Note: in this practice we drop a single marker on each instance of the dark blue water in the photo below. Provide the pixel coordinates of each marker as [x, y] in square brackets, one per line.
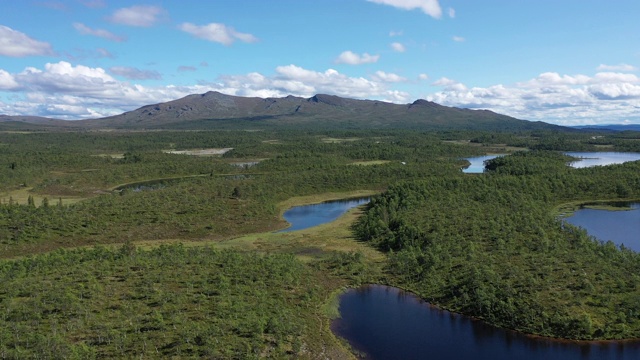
[621, 227]
[477, 164]
[388, 323]
[590, 159]
[306, 216]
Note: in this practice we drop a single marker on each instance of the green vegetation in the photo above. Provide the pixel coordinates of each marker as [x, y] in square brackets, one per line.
[156, 254]
[491, 246]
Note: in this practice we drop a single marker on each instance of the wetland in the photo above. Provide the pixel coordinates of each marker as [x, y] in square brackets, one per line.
[196, 267]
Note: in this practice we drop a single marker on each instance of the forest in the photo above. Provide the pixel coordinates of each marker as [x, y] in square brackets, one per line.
[126, 244]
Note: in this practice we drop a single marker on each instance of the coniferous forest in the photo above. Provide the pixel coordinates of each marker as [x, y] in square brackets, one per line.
[135, 244]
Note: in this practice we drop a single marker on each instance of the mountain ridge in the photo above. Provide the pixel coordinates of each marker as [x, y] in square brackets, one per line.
[214, 110]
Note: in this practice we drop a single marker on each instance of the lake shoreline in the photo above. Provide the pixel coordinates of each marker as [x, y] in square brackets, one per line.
[358, 349]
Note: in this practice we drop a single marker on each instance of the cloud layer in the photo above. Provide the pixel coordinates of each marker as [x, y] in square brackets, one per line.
[68, 91]
[605, 97]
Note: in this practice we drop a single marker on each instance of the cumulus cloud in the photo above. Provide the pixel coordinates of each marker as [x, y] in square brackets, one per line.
[16, 44]
[351, 58]
[7, 81]
[219, 33]
[71, 91]
[85, 30]
[67, 91]
[429, 7]
[619, 67]
[295, 80]
[387, 77]
[563, 99]
[398, 47]
[139, 15]
[66, 78]
[133, 73]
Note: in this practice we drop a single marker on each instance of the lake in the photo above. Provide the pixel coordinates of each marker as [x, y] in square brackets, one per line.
[306, 216]
[590, 159]
[621, 227]
[388, 323]
[477, 163]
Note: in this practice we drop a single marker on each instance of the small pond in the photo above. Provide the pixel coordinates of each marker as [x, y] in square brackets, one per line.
[619, 226]
[388, 323]
[589, 159]
[477, 163]
[306, 216]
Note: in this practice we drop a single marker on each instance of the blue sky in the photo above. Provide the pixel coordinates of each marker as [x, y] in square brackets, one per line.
[567, 62]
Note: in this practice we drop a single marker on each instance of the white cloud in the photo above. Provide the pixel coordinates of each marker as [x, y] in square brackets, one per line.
[387, 77]
[458, 38]
[395, 33]
[16, 44]
[85, 30]
[609, 77]
[139, 15]
[67, 91]
[351, 58]
[563, 99]
[452, 13]
[619, 67]
[66, 78]
[219, 33]
[429, 7]
[398, 47]
[133, 73]
[7, 81]
[449, 84]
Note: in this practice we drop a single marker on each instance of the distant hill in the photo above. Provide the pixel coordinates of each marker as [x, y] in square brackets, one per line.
[30, 123]
[214, 110]
[611, 127]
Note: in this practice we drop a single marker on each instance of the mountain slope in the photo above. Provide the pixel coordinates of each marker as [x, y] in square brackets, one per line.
[214, 110]
[29, 123]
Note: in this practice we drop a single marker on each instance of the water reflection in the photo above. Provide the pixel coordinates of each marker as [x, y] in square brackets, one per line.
[477, 163]
[387, 323]
[306, 216]
[621, 227]
[589, 159]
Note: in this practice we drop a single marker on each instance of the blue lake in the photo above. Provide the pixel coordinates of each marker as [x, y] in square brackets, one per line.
[306, 216]
[621, 227]
[590, 159]
[388, 323]
[477, 163]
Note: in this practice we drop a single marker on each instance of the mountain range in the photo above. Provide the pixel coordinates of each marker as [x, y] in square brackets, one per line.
[214, 110]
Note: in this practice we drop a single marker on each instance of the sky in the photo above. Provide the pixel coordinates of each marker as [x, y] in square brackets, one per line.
[566, 62]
